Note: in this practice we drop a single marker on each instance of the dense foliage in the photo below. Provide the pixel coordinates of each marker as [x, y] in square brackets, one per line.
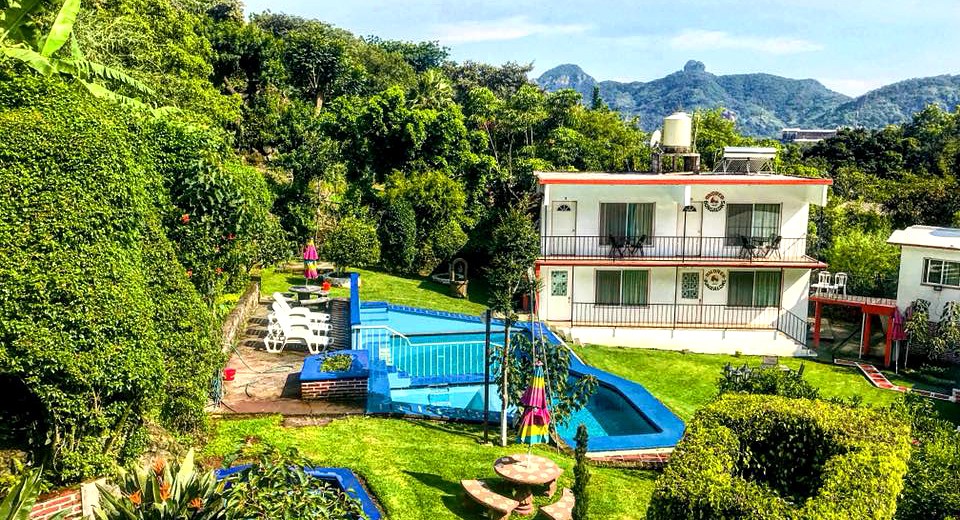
[121, 229]
[768, 381]
[758, 456]
[929, 488]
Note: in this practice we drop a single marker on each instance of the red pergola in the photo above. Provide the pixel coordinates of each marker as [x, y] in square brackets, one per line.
[868, 305]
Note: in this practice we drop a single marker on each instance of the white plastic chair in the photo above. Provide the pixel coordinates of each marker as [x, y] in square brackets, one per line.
[282, 303]
[317, 326]
[823, 282]
[839, 282]
[281, 332]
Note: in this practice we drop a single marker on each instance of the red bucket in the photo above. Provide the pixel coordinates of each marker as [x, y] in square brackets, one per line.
[229, 373]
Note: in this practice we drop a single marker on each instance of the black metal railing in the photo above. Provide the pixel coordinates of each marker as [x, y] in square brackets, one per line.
[644, 247]
[794, 327]
[691, 316]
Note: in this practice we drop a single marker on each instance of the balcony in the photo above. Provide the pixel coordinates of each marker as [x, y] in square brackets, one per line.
[687, 316]
[641, 249]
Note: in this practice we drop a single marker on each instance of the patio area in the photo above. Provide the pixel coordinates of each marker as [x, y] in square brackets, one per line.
[268, 383]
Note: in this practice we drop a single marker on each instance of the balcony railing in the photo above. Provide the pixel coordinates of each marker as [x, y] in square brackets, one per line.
[690, 316]
[673, 247]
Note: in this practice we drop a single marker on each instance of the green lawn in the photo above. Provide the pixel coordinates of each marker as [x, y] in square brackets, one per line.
[380, 286]
[414, 467]
[685, 382]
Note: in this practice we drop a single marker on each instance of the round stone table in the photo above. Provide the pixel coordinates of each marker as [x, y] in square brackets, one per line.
[525, 471]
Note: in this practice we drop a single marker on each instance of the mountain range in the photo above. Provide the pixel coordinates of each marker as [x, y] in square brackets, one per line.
[762, 104]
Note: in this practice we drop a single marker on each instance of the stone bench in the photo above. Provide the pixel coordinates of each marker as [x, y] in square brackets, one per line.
[561, 509]
[499, 506]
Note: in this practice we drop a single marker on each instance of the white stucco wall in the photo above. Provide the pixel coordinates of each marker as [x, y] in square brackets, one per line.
[911, 286]
[663, 284]
[794, 201]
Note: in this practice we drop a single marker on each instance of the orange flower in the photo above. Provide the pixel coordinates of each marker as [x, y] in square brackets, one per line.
[158, 465]
[196, 503]
[185, 218]
[135, 498]
[164, 490]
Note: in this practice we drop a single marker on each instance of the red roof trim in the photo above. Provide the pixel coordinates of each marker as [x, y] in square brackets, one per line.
[702, 180]
[811, 264]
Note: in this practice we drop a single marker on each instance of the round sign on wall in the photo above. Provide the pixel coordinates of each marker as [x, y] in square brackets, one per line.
[714, 201]
[715, 279]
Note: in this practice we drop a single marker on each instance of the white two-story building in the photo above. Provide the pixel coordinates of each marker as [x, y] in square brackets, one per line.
[711, 262]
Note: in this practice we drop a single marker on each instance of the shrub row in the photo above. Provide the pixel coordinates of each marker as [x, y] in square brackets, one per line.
[761, 456]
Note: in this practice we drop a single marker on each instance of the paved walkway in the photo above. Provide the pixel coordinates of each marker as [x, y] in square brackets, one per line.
[880, 381]
[269, 383]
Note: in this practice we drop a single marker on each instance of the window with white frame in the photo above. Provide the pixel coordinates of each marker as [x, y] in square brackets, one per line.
[941, 272]
[626, 221]
[622, 287]
[754, 289]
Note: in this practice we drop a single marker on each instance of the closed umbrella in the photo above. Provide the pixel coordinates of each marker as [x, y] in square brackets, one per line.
[536, 417]
[898, 333]
[310, 261]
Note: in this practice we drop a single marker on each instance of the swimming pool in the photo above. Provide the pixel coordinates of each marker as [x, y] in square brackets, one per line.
[431, 363]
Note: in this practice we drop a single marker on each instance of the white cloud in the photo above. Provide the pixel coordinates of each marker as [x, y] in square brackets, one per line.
[700, 40]
[854, 87]
[512, 28]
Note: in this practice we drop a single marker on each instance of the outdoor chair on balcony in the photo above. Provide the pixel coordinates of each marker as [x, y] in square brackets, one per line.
[773, 247]
[747, 248]
[636, 246]
[617, 247]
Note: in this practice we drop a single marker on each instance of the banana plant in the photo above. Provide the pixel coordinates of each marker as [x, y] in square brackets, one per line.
[161, 491]
[19, 42]
[19, 502]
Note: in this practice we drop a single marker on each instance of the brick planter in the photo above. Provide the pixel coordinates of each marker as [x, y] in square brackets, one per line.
[343, 385]
[355, 388]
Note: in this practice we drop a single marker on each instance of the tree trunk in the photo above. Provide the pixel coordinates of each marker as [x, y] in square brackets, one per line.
[319, 103]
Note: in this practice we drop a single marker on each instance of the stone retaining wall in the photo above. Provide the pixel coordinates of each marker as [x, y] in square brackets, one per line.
[352, 388]
[236, 322]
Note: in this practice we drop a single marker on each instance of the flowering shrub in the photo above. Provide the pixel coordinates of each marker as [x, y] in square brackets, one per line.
[161, 491]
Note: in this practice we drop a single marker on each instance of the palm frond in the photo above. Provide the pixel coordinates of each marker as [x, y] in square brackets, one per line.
[102, 92]
[88, 70]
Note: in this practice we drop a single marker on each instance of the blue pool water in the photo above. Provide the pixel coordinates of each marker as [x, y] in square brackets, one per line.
[437, 370]
[412, 323]
[607, 413]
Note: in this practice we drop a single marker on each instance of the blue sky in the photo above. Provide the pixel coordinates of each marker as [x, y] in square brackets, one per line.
[849, 45]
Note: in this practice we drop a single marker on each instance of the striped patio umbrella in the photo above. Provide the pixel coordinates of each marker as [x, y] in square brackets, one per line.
[310, 261]
[536, 417]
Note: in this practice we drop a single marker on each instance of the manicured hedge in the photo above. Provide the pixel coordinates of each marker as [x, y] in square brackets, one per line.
[102, 326]
[763, 457]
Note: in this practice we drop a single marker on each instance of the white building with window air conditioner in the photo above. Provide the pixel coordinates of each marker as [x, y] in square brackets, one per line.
[929, 266]
[709, 262]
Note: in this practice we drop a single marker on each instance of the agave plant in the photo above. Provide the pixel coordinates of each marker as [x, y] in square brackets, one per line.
[161, 491]
[22, 497]
[18, 40]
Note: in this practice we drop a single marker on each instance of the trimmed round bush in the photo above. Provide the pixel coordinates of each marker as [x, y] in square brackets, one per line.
[760, 456]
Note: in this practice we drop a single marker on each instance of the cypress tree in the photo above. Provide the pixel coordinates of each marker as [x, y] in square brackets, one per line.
[581, 475]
